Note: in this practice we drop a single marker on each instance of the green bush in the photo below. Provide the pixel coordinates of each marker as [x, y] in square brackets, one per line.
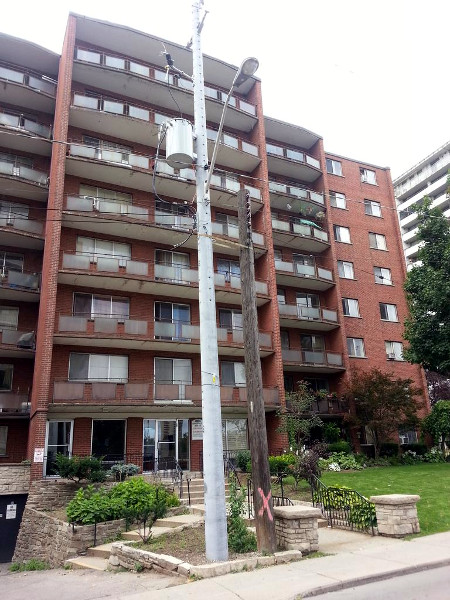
[434, 456]
[120, 472]
[243, 457]
[419, 449]
[340, 446]
[90, 506]
[359, 510]
[79, 468]
[240, 539]
[389, 449]
[340, 461]
[280, 464]
[331, 433]
[33, 564]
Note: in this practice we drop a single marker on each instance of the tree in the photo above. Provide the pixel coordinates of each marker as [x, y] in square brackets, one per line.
[297, 419]
[437, 423]
[427, 289]
[383, 404]
[438, 387]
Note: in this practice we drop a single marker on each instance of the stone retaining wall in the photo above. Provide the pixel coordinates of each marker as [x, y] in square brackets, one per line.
[52, 540]
[53, 494]
[396, 514]
[296, 528]
[14, 479]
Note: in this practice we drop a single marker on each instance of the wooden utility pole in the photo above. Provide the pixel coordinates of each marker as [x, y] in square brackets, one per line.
[262, 496]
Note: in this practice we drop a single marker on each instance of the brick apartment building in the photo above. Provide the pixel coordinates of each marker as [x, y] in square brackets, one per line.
[88, 224]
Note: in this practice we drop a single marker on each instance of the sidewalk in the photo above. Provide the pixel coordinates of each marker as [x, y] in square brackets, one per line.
[358, 559]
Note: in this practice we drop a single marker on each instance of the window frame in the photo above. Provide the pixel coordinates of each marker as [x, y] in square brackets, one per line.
[236, 382]
[347, 302]
[90, 379]
[387, 304]
[343, 263]
[389, 279]
[334, 200]
[12, 325]
[375, 237]
[332, 163]
[364, 175]
[391, 353]
[7, 367]
[336, 231]
[369, 204]
[363, 347]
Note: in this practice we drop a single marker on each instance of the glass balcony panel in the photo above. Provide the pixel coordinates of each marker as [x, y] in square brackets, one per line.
[242, 394]
[305, 270]
[187, 174]
[28, 226]
[254, 192]
[232, 184]
[29, 281]
[222, 334]
[81, 204]
[193, 393]
[312, 161]
[325, 274]
[142, 162]
[308, 312]
[116, 108]
[210, 92]
[246, 107]
[189, 275]
[301, 229]
[280, 225]
[137, 267]
[137, 212]
[235, 282]
[37, 128]
[32, 175]
[281, 265]
[115, 62]
[276, 150]
[9, 120]
[105, 325]
[165, 330]
[85, 101]
[211, 134]
[288, 310]
[6, 168]
[226, 393]
[231, 141]
[257, 238]
[168, 391]
[40, 84]
[103, 391]
[238, 336]
[250, 148]
[261, 287]
[83, 151]
[295, 155]
[317, 197]
[320, 235]
[270, 396]
[189, 332]
[218, 228]
[134, 327]
[219, 279]
[88, 56]
[76, 261]
[265, 339]
[185, 84]
[159, 118]
[291, 355]
[216, 180]
[114, 156]
[329, 315]
[11, 75]
[139, 113]
[107, 264]
[309, 356]
[76, 324]
[298, 192]
[334, 359]
[136, 391]
[66, 390]
[11, 336]
[114, 208]
[277, 187]
[139, 69]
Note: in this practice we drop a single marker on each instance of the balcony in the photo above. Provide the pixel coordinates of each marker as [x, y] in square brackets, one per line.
[17, 343]
[26, 88]
[307, 318]
[306, 361]
[23, 181]
[106, 332]
[297, 275]
[21, 232]
[302, 202]
[231, 231]
[291, 163]
[327, 406]
[144, 393]
[147, 83]
[34, 137]
[145, 277]
[22, 286]
[124, 121]
[14, 404]
[298, 234]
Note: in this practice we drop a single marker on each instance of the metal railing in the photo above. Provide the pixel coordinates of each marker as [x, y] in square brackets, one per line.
[277, 500]
[31, 79]
[343, 508]
[292, 154]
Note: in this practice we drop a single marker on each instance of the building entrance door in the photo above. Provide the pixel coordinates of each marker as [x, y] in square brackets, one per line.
[166, 443]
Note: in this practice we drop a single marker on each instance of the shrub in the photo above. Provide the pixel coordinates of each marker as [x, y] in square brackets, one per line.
[240, 539]
[79, 468]
[340, 446]
[359, 510]
[33, 564]
[90, 506]
[243, 457]
[419, 449]
[305, 466]
[389, 449]
[342, 460]
[121, 472]
[331, 433]
[410, 458]
[434, 456]
[280, 464]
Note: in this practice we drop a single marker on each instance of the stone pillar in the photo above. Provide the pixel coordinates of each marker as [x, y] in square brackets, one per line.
[296, 528]
[396, 514]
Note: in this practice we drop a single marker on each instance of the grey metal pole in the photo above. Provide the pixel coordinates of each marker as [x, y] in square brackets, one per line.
[216, 540]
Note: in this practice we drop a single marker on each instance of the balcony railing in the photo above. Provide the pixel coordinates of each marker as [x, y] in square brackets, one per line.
[29, 79]
[104, 154]
[14, 402]
[312, 357]
[14, 168]
[294, 155]
[297, 192]
[136, 68]
[20, 280]
[307, 313]
[301, 270]
[20, 122]
[292, 226]
[24, 340]
[232, 231]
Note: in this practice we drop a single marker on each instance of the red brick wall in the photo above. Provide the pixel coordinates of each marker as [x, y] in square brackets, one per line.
[16, 442]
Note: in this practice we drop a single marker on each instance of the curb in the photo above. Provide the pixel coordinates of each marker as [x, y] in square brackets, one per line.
[358, 581]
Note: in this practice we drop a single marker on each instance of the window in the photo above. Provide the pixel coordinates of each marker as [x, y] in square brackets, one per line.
[172, 214]
[334, 167]
[234, 434]
[368, 176]
[394, 350]
[173, 371]
[229, 224]
[350, 306]
[345, 269]
[284, 335]
[341, 234]
[9, 260]
[338, 200]
[59, 441]
[281, 295]
[89, 191]
[3, 439]
[407, 437]
[388, 312]
[6, 377]
[10, 211]
[312, 342]
[103, 249]
[317, 385]
[229, 268]
[175, 316]
[98, 367]
[8, 317]
[92, 305]
[230, 318]
[377, 241]
[355, 347]
[232, 373]
[382, 275]
[372, 208]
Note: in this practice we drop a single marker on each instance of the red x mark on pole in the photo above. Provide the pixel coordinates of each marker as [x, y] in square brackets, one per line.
[265, 506]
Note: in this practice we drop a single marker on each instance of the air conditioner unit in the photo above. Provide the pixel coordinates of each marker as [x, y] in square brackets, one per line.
[391, 356]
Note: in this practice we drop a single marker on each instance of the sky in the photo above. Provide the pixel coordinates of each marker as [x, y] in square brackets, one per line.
[371, 77]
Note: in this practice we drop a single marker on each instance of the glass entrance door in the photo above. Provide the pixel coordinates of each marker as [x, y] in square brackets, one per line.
[166, 442]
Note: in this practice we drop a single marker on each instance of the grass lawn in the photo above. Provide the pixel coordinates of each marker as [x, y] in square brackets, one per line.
[430, 481]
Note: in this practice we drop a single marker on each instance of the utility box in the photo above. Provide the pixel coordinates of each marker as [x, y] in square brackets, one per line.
[179, 143]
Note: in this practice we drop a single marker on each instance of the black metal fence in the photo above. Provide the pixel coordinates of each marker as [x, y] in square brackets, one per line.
[343, 507]
[277, 500]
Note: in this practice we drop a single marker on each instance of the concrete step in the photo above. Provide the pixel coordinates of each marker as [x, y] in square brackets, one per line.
[102, 551]
[96, 563]
[198, 509]
[177, 521]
